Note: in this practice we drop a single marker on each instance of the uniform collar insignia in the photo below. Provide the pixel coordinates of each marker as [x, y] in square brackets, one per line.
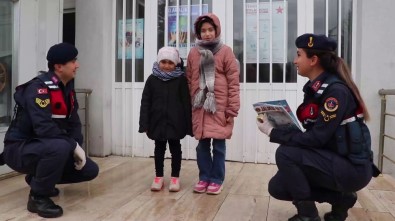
[316, 84]
[55, 79]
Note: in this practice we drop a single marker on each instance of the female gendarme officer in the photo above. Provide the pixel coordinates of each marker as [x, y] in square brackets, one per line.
[331, 160]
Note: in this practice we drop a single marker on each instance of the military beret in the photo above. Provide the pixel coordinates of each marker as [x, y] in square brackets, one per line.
[318, 42]
[61, 53]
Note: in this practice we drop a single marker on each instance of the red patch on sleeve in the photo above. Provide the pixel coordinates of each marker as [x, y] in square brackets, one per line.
[307, 112]
[42, 91]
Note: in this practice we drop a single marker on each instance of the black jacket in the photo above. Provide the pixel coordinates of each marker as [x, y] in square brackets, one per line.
[165, 111]
[35, 115]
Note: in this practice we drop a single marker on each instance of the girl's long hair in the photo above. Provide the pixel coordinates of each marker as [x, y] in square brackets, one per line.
[330, 62]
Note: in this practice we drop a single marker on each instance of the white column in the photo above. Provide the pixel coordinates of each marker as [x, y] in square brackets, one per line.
[375, 64]
[94, 40]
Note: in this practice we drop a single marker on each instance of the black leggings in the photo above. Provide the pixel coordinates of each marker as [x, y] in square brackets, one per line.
[176, 154]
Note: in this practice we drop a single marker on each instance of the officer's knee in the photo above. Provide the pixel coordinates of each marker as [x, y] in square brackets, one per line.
[273, 189]
[277, 190]
[60, 147]
[91, 170]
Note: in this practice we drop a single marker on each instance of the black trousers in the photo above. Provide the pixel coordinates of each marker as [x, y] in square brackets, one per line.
[48, 162]
[176, 156]
[316, 175]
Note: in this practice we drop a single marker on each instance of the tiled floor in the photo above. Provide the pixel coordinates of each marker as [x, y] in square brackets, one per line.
[121, 192]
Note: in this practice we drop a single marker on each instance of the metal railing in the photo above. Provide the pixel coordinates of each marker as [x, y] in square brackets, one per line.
[87, 93]
[383, 93]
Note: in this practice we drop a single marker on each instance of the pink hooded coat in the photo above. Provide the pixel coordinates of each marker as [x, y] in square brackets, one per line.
[226, 89]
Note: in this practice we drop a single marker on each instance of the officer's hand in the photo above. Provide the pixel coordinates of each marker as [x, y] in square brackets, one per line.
[79, 157]
[263, 124]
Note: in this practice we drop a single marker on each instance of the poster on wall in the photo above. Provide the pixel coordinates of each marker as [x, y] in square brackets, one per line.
[128, 41]
[183, 26]
[279, 22]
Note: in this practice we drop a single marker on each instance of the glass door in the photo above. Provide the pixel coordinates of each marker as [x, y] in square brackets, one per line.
[335, 19]
[130, 35]
[184, 13]
[263, 35]
[6, 43]
[6, 71]
[263, 38]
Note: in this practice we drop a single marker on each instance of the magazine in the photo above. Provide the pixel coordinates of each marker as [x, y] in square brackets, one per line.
[278, 113]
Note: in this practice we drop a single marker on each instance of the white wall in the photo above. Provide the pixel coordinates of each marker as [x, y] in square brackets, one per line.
[375, 65]
[39, 29]
[36, 28]
[94, 43]
[68, 4]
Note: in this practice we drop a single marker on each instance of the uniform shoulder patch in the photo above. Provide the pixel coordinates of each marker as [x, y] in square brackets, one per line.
[331, 104]
[43, 103]
[42, 91]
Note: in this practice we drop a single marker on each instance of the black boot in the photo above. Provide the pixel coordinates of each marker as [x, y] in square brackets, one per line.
[341, 206]
[307, 211]
[2, 159]
[55, 192]
[43, 206]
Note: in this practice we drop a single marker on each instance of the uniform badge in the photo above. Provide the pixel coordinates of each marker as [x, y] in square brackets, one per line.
[42, 103]
[331, 104]
[310, 44]
[327, 117]
[42, 91]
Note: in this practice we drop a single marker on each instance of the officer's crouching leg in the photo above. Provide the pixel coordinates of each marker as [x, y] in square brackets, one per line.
[290, 183]
[50, 167]
[289, 160]
[2, 162]
[277, 188]
[87, 173]
[49, 170]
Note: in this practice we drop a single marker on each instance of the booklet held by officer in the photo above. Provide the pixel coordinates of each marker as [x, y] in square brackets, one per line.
[278, 113]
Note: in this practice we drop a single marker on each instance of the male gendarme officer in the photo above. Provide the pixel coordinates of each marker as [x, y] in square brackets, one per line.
[44, 138]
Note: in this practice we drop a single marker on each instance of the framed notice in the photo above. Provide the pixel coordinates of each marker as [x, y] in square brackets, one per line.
[278, 27]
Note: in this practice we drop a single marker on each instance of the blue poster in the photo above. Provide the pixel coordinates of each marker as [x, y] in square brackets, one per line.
[137, 40]
[183, 26]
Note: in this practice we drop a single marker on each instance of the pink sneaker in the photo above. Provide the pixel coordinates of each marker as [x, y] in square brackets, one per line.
[157, 184]
[200, 187]
[174, 184]
[214, 189]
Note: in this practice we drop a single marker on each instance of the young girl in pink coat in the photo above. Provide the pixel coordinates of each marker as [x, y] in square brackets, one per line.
[213, 78]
